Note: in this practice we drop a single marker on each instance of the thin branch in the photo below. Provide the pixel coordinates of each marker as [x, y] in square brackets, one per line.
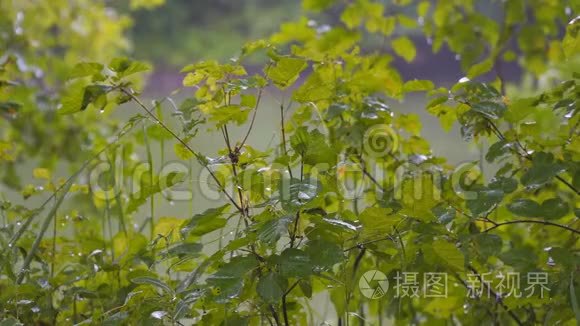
[275, 315]
[498, 224]
[297, 219]
[255, 109]
[253, 119]
[174, 135]
[283, 128]
[285, 311]
[363, 244]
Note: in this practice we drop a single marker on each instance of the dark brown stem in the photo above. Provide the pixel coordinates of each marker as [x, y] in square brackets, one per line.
[275, 315]
[363, 244]
[285, 311]
[498, 224]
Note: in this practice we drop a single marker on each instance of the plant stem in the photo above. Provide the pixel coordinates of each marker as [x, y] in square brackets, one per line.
[40, 235]
[151, 181]
[54, 231]
[253, 119]
[297, 219]
[283, 128]
[180, 140]
[118, 201]
[498, 224]
[275, 315]
[285, 311]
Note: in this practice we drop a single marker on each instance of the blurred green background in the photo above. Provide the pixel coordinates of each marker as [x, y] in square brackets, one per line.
[183, 31]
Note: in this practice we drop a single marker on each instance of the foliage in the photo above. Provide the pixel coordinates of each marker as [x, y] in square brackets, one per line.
[351, 187]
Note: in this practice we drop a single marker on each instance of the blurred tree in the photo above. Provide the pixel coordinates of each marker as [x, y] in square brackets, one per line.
[182, 31]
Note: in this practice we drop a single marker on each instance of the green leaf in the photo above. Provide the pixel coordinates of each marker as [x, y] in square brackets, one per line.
[206, 222]
[574, 299]
[271, 287]
[193, 78]
[571, 41]
[298, 194]
[324, 254]
[229, 279]
[543, 169]
[272, 230]
[10, 321]
[404, 47]
[489, 109]
[444, 214]
[554, 208]
[125, 67]
[146, 4]
[306, 287]
[480, 68]
[486, 199]
[295, 263]
[229, 113]
[525, 207]
[418, 86]
[449, 253]
[95, 94]
[488, 244]
[128, 246]
[184, 249]
[314, 89]
[317, 5]
[378, 220]
[85, 69]
[497, 150]
[248, 100]
[313, 147]
[520, 258]
[507, 185]
[182, 152]
[153, 281]
[148, 189]
[286, 71]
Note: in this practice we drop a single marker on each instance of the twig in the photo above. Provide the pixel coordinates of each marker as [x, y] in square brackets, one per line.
[297, 219]
[253, 119]
[283, 128]
[255, 110]
[174, 135]
[498, 224]
[363, 244]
